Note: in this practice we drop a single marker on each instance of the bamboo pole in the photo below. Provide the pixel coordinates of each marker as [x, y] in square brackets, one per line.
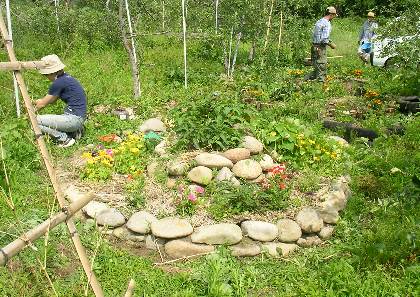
[163, 15]
[217, 15]
[137, 87]
[6, 66]
[184, 29]
[280, 30]
[130, 289]
[24, 240]
[46, 158]
[15, 86]
[268, 25]
[230, 52]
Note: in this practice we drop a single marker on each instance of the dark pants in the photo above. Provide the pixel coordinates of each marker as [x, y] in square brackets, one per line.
[319, 62]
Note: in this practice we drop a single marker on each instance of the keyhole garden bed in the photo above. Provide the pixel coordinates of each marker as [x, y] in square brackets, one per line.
[156, 191]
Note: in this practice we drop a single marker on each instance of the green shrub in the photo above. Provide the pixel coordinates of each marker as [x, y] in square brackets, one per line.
[211, 122]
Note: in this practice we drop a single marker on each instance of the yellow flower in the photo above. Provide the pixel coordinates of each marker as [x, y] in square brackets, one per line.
[301, 135]
[134, 150]
[86, 155]
[273, 133]
[316, 158]
[311, 141]
[334, 155]
[90, 161]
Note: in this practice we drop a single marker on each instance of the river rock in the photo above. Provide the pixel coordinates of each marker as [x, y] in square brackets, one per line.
[336, 200]
[248, 169]
[93, 208]
[289, 230]
[225, 174]
[246, 248]
[170, 183]
[125, 234]
[258, 180]
[254, 145]
[140, 222]
[110, 217]
[329, 215]
[309, 241]
[153, 243]
[152, 168]
[266, 162]
[182, 248]
[309, 220]
[258, 230]
[326, 232]
[171, 228]
[160, 149]
[237, 154]
[217, 234]
[201, 175]
[153, 124]
[213, 161]
[177, 168]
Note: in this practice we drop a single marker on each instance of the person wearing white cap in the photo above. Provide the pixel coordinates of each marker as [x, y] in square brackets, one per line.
[66, 127]
[320, 40]
[367, 32]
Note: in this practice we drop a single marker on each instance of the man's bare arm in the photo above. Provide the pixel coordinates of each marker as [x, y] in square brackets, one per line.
[48, 99]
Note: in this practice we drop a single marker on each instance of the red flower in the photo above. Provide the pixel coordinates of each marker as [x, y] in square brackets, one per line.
[282, 186]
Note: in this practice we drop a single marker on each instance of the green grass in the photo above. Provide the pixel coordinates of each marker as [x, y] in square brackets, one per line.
[375, 249]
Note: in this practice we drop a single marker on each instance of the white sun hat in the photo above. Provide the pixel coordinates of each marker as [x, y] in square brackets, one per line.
[52, 64]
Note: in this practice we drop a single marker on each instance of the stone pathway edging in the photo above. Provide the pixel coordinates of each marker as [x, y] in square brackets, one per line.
[176, 238]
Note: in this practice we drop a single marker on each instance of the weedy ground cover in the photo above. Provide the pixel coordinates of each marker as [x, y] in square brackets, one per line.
[375, 249]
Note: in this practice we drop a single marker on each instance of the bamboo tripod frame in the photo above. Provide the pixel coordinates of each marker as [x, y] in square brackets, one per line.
[46, 158]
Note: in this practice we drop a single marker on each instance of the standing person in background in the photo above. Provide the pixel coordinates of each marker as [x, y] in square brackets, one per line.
[320, 40]
[367, 32]
[67, 127]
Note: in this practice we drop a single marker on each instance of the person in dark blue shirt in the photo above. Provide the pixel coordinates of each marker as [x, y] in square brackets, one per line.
[66, 127]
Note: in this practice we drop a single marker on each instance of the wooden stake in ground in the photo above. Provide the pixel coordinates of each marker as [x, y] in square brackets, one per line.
[130, 289]
[280, 31]
[15, 85]
[24, 240]
[130, 46]
[216, 18]
[50, 169]
[184, 29]
[163, 16]
[267, 35]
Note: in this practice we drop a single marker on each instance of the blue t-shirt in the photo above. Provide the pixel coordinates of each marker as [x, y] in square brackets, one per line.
[71, 92]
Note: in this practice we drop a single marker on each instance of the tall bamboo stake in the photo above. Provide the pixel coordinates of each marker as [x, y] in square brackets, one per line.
[137, 90]
[280, 30]
[130, 288]
[217, 15]
[230, 51]
[24, 240]
[268, 25]
[15, 85]
[163, 15]
[50, 169]
[184, 29]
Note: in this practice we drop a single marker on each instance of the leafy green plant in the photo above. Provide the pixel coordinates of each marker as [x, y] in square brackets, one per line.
[210, 122]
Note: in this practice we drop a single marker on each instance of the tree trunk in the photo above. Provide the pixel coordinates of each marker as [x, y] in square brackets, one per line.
[130, 47]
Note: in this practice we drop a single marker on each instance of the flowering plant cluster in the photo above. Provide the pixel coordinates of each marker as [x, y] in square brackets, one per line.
[188, 199]
[125, 158]
[295, 72]
[276, 177]
[374, 99]
[357, 72]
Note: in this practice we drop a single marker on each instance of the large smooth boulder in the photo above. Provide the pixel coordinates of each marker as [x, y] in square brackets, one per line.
[274, 249]
[93, 208]
[259, 230]
[179, 248]
[200, 175]
[213, 161]
[237, 154]
[289, 230]
[254, 145]
[225, 174]
[153, 124]
[177, 168]
[110, 217]
[124, 234]
[247, 169]
[336, 200]
[326, 232]
[329, 215]
[246, 248]
[171, 228]
[309, 241]
[140, 222]
[309, 220]
[218, 234]
[266, 162]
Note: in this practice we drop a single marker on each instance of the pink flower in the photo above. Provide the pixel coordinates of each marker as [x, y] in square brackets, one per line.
[199, 190]
[181, 189]
[109, 152]
[192, 197]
